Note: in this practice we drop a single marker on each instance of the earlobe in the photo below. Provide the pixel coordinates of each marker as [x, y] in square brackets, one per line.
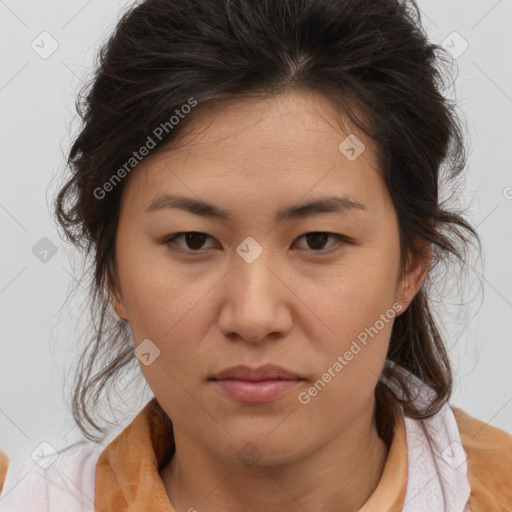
[118, 305]
[415, 276]
[120, 310]
[422, 267]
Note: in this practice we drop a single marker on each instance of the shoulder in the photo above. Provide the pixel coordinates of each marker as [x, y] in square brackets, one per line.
[56, 479]
[489, 460]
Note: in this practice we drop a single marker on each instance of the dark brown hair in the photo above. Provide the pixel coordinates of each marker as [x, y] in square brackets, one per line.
[372, 57]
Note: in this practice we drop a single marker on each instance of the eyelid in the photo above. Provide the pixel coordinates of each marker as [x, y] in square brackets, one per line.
[341, 239]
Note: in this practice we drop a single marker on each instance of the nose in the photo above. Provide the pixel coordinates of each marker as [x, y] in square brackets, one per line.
[256, 301]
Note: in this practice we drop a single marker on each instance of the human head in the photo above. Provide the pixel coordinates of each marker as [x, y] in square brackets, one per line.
[370, 58]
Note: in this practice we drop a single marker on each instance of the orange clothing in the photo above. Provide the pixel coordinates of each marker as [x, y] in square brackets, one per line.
[489, 452]
[4, 463]
[127, 470]
[131, 477]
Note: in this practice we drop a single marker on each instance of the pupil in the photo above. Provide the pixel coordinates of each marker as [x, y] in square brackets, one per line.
[189, 237]
[317, 238]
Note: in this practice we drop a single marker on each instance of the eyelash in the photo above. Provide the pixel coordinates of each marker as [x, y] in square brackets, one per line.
[172, 239]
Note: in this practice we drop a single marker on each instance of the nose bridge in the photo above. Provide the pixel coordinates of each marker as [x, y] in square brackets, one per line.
[253, 262]
[254, 296]
[255, 280]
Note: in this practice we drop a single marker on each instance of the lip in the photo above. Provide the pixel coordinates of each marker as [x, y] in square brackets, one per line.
[255, 385]
[265, 372]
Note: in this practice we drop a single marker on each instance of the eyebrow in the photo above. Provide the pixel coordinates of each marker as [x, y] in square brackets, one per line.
[325, 204]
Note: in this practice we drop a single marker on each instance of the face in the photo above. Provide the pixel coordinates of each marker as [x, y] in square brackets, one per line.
[314, 290]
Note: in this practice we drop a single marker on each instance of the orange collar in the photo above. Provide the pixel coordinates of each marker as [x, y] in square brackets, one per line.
[128, 470]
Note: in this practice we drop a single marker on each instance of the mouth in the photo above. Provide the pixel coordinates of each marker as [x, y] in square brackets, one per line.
[255, 385]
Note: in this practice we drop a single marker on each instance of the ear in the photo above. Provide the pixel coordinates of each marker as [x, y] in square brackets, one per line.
[118, 303]
[418, 266]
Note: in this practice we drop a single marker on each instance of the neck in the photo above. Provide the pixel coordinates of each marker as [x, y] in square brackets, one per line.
[340, 476]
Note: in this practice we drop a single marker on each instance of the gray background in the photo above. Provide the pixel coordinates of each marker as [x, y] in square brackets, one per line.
[40, 328]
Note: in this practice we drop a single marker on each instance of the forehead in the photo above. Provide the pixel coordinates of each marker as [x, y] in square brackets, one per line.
[297, 124]
[289, 145]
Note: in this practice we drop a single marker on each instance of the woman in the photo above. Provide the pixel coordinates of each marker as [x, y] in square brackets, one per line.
[291, 350]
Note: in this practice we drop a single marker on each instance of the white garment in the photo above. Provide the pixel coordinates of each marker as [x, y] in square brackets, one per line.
[437, 473]
[67, 485]
[437, 480]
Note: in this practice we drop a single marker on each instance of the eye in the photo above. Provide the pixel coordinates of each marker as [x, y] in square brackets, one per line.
[317, 239]
[194, 240]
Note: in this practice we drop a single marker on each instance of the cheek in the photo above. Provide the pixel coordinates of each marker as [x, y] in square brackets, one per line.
[359, 293]
[175, 315]
[358, 311]
[158, 296]
[350, 362]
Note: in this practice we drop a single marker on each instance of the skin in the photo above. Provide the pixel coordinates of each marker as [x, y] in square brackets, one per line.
[294, 306]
